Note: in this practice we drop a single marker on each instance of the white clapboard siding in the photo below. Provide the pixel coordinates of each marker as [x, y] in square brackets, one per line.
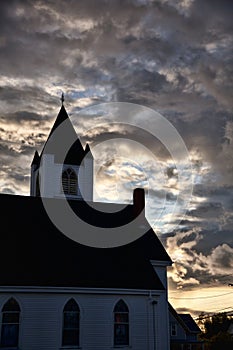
[41, 320]
[50, 178]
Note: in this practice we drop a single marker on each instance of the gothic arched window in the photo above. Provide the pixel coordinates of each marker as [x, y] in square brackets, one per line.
[69, 182]
[10, 324]
[70, 331]
[121, 323]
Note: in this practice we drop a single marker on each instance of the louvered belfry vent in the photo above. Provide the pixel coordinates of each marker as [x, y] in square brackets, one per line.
[69, 182]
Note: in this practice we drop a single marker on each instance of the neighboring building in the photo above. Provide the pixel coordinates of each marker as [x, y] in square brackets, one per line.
[56, 293]
[184, 332]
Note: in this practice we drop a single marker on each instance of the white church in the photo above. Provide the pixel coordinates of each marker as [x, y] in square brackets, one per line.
[56, 293]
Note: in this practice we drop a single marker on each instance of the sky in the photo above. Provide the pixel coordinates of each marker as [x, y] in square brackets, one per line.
[174, 57]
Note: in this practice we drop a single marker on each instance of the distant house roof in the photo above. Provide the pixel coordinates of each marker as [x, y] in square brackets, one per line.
[185, 320]
[190, 323]
[35, 253]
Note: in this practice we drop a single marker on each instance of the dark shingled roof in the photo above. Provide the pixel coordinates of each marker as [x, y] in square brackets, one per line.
[35, 253]
[190, 323]
[187, 323]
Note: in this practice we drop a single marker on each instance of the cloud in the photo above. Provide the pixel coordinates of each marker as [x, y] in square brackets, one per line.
[173, 56]
[220, 261]
[192, 266]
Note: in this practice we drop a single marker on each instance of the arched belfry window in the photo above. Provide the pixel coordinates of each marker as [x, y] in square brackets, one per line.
[121, 323]
[10, 324]
[71, 320]
[69, 182]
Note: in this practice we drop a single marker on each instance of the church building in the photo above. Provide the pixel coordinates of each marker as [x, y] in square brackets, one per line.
[56, 293]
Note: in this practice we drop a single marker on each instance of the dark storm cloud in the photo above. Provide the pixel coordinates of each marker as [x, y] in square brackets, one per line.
[193, 266]
[8, 190]
[208, 211]
[220, 12]
[7, 151]
[221, 194]
[104, 49]
[174, 58]
[130, 132]
[22, 116]
[133, 46]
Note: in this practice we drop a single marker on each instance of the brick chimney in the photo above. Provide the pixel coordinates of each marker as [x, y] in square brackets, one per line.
[138, 201]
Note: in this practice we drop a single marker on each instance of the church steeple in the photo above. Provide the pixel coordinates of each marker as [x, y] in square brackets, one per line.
[61, 117]
[36, 159]
[76, 152]
[87, 151]
[77, 160]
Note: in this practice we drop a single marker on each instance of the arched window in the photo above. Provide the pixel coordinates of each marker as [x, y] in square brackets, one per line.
[10, 324]
[69, 182]
[70, 332]
[121, 323]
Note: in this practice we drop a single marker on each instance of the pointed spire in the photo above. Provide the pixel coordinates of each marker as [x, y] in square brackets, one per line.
[76, 151]
[36, 159]
[61, 117]
[62, 98]
[87, 148]
[88, 151]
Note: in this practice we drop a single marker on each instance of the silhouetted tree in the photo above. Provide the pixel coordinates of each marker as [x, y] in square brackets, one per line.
[215, 332]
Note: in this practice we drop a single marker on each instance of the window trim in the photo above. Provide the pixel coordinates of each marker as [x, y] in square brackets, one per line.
[9, 347]
[173, 324]
[126, 345]
[74, 346]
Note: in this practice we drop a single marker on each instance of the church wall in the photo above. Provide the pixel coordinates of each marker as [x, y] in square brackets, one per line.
[50, 175]
[161, 271]
[162, 274]
[33, 181]
[41, 319]
[88, 181]
[85, 179]
[47, 174]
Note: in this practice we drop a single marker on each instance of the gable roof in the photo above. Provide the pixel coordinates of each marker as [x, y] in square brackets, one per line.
[185, 320]
[190, 323]
[35, 253]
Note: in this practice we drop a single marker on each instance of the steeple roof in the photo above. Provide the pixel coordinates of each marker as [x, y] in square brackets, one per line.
[61, 117]
[87, 151]
[36, 159]
[61, 136]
